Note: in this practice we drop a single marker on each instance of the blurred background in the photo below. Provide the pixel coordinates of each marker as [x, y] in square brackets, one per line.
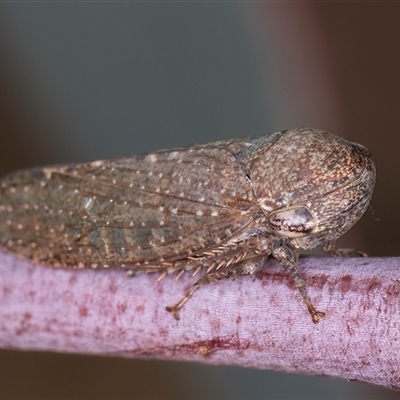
[83, 81]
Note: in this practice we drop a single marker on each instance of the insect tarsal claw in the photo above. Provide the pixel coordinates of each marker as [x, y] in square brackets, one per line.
[175, 312]
[317, 315]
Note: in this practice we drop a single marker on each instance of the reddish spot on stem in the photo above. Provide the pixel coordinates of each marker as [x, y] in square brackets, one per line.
[345, 284]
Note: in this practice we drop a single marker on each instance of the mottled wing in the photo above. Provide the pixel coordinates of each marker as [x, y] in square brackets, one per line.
[160, 207]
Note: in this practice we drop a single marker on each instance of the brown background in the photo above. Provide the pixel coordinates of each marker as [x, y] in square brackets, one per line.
[86, 81]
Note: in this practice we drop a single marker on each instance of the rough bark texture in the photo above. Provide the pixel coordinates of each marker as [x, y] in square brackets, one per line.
[258, 322]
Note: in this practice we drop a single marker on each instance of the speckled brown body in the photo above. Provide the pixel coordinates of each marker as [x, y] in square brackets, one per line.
[223, 206]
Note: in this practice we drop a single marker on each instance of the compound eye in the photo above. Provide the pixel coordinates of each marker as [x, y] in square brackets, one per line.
[292, 222]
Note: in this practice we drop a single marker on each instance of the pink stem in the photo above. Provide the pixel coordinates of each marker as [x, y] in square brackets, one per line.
[258, 322]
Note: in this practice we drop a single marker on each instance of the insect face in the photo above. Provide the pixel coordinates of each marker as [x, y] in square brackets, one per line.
[317, 187]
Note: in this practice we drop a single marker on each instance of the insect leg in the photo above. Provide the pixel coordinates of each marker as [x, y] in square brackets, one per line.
[288, 259]
[329, 247]
[243, 268]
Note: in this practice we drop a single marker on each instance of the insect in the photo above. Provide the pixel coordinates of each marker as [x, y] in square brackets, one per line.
[223, 207]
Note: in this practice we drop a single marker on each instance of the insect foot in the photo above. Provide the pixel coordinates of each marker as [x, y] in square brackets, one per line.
[176, 308]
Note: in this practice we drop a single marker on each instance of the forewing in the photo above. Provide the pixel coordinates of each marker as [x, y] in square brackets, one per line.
[138, 210]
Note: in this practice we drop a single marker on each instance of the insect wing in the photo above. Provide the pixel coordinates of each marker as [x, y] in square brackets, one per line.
[148, 209]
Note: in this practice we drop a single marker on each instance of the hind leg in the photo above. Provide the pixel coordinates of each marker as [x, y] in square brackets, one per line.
[243, 268]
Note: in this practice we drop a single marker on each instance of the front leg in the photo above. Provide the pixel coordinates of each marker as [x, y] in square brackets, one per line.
[287, 257]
